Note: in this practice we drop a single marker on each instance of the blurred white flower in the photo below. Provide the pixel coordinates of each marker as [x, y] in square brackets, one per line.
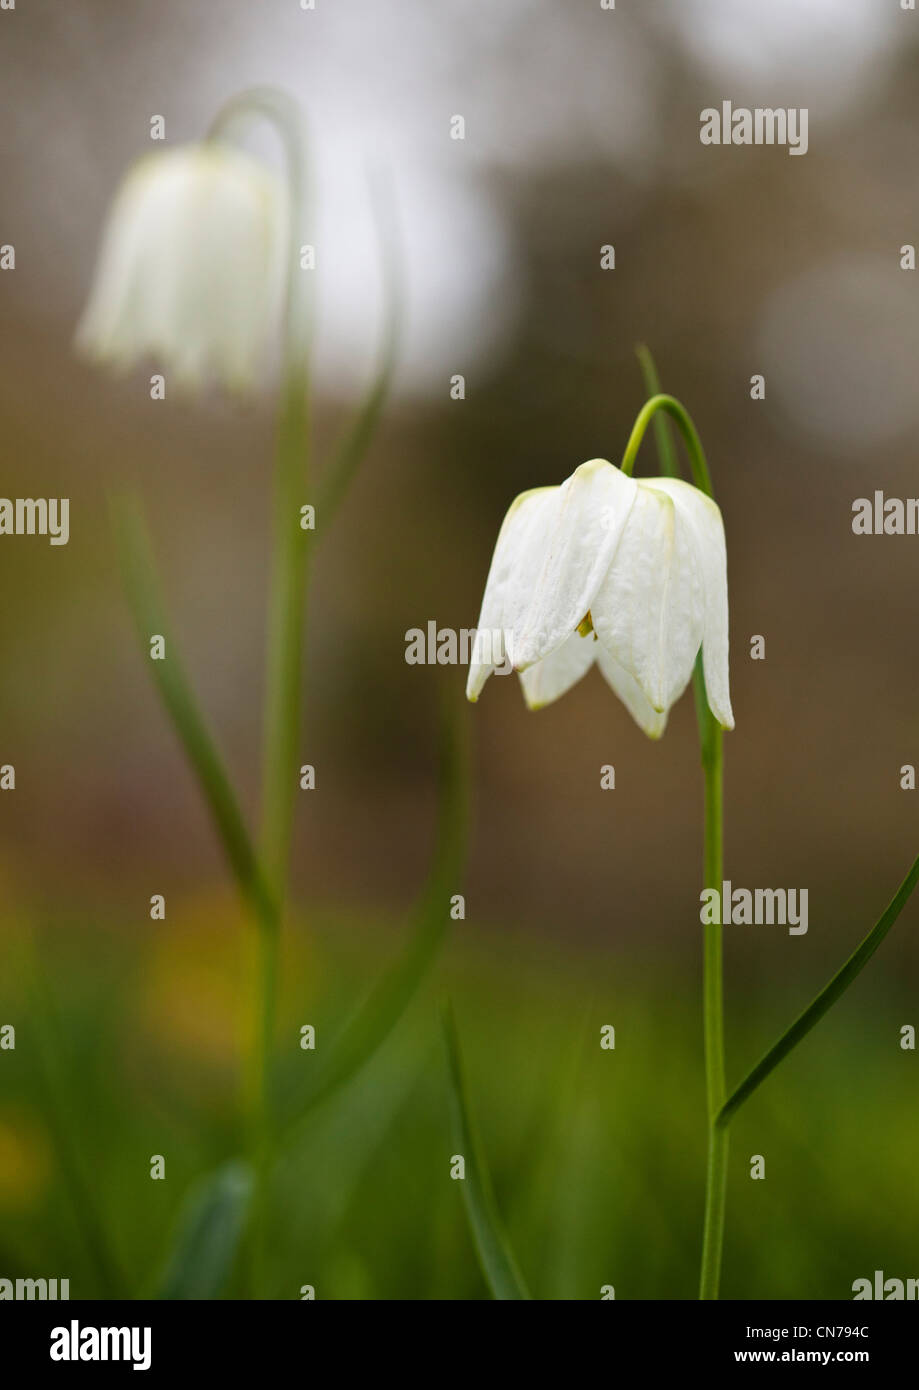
[191, 268]
[637, 566]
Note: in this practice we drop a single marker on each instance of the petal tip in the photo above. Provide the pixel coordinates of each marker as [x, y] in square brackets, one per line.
[475, 684]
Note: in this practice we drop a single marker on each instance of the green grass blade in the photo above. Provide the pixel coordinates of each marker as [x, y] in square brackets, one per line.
[496, 1258]
[58, 1095]
[430, 922]
[138, 570]
[824, 1000]
[210, 1230]
[358, 435]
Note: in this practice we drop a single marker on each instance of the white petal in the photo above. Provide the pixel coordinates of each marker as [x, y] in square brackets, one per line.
[702, 517]
[558, 672]
[519, 555]
[631, 694]
[591, 511]
[191, 265]
[649, 610]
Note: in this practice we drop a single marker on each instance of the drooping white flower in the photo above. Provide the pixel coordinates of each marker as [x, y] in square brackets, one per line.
[637, 565]
[191, 266]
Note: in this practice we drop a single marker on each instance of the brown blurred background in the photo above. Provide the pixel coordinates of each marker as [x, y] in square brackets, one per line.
[582, 129]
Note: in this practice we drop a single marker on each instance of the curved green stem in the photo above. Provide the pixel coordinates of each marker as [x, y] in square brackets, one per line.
[669, 404]
[662, 437]
[711, 746]
[720, 1110]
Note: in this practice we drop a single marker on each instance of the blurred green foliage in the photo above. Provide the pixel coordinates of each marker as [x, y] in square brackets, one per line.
[596, 1156]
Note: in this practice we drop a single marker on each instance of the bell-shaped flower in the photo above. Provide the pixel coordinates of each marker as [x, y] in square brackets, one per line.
[191, 267]
[630, 572]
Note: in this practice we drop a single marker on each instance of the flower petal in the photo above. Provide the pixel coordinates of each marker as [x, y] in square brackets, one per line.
[191, 265]
[631, 694]
[590, 514]
[548, 679]
[518, 558]
[702, 517]
[650, 608]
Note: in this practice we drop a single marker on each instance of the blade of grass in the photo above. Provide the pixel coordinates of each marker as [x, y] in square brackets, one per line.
[823, 1002]
[139, 574]
[58, 1093]
[496, 1258]
[357, 437]
[210, 1232]
[429, 924]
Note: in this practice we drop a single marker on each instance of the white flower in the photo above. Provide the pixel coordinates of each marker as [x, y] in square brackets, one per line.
[638, 565]
[191, 265]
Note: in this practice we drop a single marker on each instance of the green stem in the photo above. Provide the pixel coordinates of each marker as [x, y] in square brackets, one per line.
[393, 988]
[712, 765]
[665, 450]
[711, 741]
[287, 598]
[720, 1110]
[286, 621]
[716, 1174]
[259, 1105]
[711, 746]
[286, 614]
[671, 406]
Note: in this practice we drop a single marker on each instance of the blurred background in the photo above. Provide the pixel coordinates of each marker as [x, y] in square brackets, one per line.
[582, 130]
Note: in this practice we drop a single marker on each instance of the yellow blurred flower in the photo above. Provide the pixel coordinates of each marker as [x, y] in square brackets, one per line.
[25, 1161]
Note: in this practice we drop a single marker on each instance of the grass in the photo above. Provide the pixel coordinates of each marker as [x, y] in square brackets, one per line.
[596, 1157]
